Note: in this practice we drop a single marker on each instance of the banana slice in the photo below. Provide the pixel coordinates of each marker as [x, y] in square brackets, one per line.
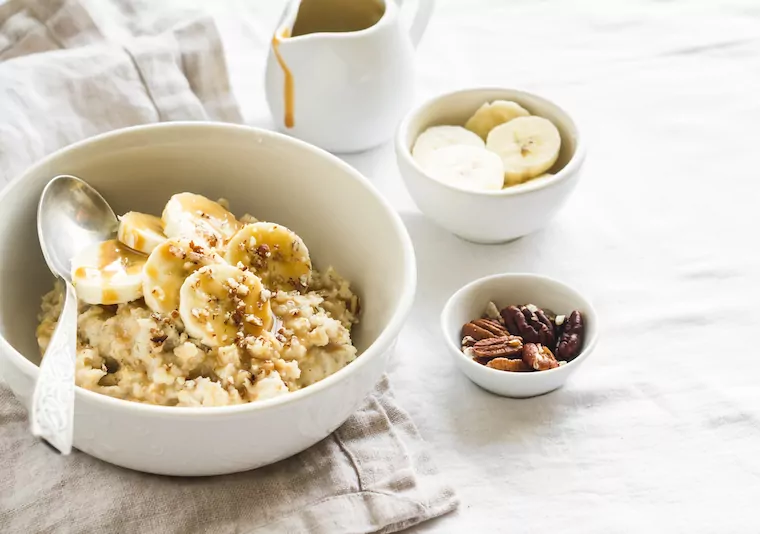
[140, 231]
[274, 253]
[196, 217]
[218, 301]
[528, 147]
[467, 167]
[167, 267]
[108, 273]
[490, 115]
[438, 137]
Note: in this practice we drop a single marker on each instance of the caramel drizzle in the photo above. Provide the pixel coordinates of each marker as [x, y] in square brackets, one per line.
[115, 258]
[288, 88]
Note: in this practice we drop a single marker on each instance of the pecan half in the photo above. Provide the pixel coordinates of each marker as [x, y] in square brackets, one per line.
[571, 337]
[532, 326]
[538, 357]
[497, 347]
[506, 364]
[483, 329]
[508, 314]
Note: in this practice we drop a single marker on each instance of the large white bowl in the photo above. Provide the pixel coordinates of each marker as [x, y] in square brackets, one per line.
[340, 216]
[489, 216]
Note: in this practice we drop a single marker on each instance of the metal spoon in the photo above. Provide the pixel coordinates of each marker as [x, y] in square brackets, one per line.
[71, 215]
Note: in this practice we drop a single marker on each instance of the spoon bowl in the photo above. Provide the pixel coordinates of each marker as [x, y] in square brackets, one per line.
[70, 216]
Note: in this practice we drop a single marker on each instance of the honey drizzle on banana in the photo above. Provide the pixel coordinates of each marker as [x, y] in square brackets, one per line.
[115, 259]
[214, 224]
[140, 223]
[234, 305]
[274, 253]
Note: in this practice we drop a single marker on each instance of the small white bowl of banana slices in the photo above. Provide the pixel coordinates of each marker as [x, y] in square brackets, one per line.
[489, 164]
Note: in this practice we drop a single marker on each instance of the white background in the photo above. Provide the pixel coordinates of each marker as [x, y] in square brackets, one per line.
[660, 431]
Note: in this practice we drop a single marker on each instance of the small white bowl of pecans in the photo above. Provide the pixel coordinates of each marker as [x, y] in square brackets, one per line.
[519, 335]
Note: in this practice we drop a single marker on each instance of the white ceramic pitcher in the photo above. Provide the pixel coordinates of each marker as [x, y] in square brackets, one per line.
[340, 73]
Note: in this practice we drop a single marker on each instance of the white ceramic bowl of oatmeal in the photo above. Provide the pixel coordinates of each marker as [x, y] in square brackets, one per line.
[212, 430]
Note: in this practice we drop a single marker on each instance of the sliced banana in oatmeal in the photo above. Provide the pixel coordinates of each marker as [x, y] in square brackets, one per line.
[275, 253]
[108, 273]
[194, 216]
[219, 301]
[167, 268]
[140, 231]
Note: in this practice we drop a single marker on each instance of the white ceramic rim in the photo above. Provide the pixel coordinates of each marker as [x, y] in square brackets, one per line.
[402, 146]
[383, 341]
[588, 344]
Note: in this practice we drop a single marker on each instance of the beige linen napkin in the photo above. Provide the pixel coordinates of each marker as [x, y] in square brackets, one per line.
[67, 74]
[373, 474]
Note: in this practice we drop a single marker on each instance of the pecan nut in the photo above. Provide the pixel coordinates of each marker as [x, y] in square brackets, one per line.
[538, 357]
[497, 347]
[483, 329]
[506, 364]
[532, 326]
[571, 337]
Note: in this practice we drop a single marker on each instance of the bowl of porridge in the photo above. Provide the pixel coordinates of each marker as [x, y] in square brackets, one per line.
[247, 305]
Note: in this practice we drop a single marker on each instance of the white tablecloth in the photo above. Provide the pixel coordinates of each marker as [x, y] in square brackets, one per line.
[660, 431]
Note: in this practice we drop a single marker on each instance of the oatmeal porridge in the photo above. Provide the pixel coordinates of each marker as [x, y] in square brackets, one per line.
[199, 308]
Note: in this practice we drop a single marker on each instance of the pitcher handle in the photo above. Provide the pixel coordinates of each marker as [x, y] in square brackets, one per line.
[420, 20]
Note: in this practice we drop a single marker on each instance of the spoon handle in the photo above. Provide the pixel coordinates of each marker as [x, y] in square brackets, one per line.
[53, 401]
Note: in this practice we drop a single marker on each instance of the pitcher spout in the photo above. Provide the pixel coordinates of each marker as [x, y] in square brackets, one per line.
[334, 17]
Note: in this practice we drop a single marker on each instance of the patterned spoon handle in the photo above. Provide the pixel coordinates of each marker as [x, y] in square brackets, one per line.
[53, 401]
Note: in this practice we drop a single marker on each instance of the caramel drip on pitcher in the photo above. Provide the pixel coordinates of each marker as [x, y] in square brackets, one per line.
[288, 97]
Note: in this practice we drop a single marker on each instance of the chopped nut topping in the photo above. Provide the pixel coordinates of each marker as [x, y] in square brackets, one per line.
[253, 319]
[158, 339]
